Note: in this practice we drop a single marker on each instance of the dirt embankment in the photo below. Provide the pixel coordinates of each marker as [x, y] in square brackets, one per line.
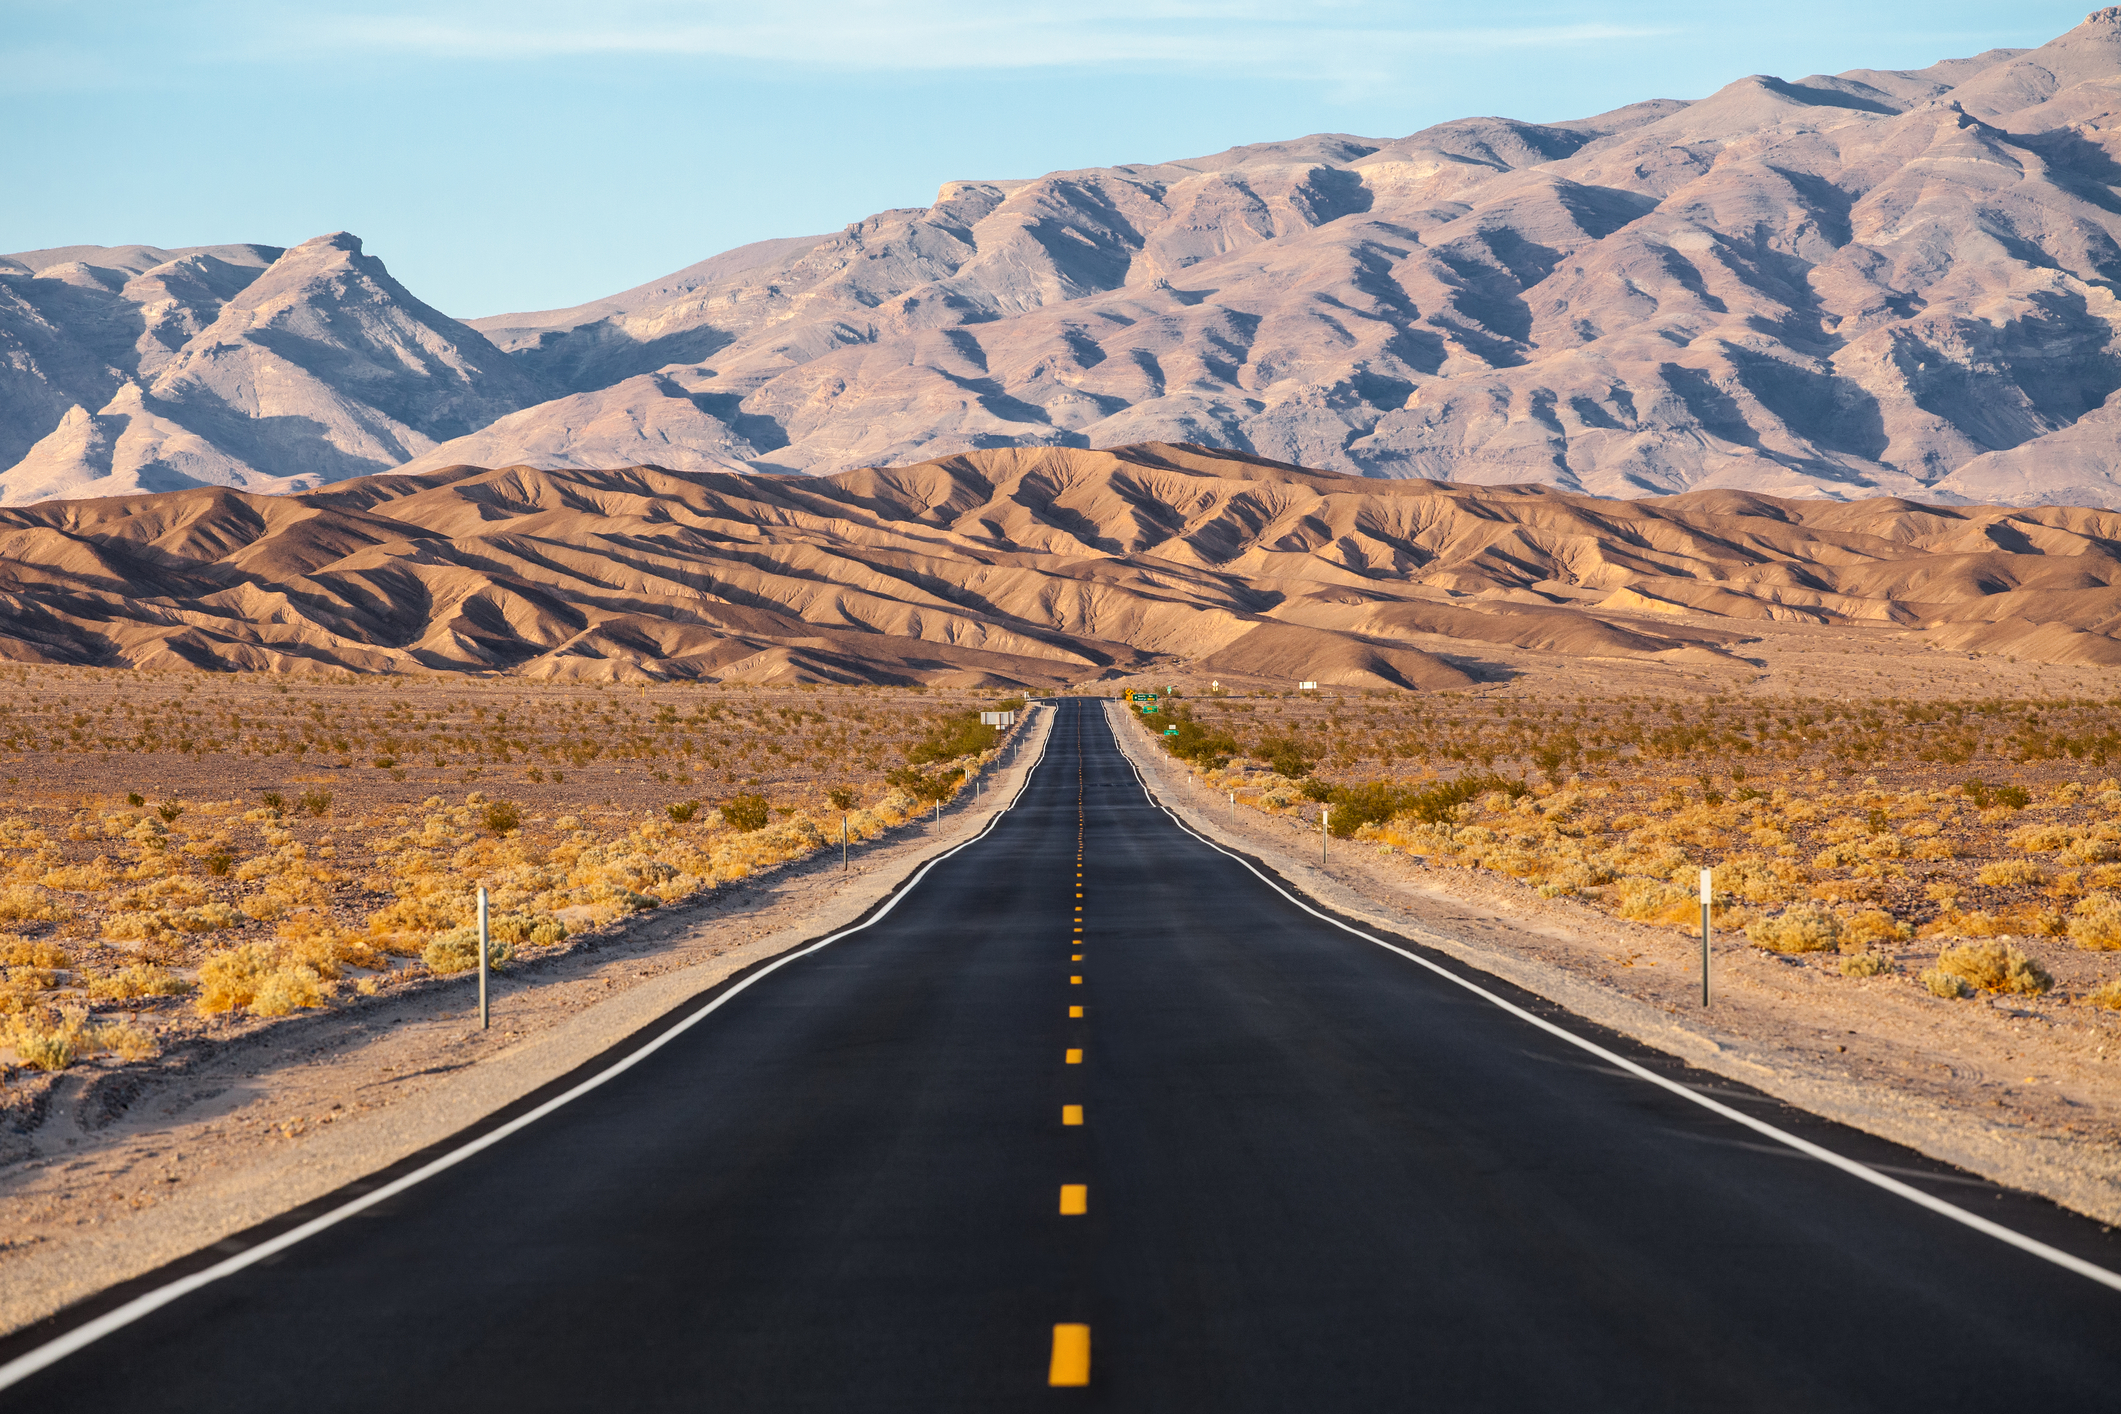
[2022, 1091]
[124, 1168]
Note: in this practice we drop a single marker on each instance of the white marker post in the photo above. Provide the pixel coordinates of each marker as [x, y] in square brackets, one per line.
[843, 844]
[483, 1015]
[1325, 830]
[1233, 802]
[1706, 895]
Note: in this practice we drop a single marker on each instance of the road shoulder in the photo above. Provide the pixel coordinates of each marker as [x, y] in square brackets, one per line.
[131, 1168]
[2024, 1097]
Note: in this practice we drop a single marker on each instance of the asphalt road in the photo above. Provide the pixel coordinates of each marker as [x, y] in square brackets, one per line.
[1316, 1177]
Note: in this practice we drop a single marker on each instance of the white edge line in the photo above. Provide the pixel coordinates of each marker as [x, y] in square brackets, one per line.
[82, 1336]
[1803, 1146]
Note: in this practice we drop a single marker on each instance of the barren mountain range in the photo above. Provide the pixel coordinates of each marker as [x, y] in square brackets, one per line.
[1876, 282]
[1023, 566]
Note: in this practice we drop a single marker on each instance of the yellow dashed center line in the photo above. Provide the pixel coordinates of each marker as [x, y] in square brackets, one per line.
[1071, 1357]
[1075, 1012]
[1075, 1199]
[1076, 980]
[1071, 1114]
[1075, 1056]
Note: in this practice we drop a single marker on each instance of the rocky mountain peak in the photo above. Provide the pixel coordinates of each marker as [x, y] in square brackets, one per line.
[1836, 286]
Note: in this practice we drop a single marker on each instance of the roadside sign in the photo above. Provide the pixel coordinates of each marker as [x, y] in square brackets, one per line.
[997, 719]
[1141, 697]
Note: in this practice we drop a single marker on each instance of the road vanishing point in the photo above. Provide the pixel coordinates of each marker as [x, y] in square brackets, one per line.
[1097, 1115]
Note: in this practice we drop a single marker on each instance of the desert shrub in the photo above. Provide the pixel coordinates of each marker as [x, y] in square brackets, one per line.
[18, 951]
[274, 801]
[316, 802]
[937, 787]
[2107, 994]
[1285, 755]
[169, 810]
[2036, 839]
[682, 811]
[1655, 901]
[1207, 747]
[502, 818]
[1988, 797]
[458, 949]
[1837, 856]
[1752, 881]
[45, 1041]
[2092, 851]
[746, 812]
[845, 798]
[1994, 966]
[1872, 925]
[87, 878]
[2096, 922]
[250, 976]
[220, 863]
[2007, 873]
[138, 980]
[1434, 803]
[1803, 928]
[24, 904]
[960, 734]
[126, 1042]
[53, 1040]
[514, 928]
[1868, 963]
[208, 918]
[1944, 984]
[288, 989]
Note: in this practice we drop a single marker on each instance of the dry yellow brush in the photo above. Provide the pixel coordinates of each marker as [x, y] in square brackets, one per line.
[545, 880]
[542, 885]
[1796, 871]
[47, 1036]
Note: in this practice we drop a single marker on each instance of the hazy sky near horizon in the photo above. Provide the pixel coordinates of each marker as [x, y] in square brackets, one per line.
[532, 154]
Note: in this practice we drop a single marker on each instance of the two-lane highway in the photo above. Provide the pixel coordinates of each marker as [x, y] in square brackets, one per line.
[1093, 1101]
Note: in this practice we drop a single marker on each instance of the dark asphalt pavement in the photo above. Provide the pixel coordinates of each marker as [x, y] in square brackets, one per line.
[1318, 1178]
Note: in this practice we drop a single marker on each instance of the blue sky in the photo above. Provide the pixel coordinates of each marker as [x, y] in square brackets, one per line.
[531, 154]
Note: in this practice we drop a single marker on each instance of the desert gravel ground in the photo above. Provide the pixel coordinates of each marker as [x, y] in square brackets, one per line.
[2021, 1091]
[133, 1168]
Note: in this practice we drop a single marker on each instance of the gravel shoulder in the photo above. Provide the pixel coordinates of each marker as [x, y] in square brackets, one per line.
[127, 1167]
[2023, 1093]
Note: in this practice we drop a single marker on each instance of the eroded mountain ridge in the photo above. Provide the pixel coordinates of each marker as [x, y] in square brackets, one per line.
[1880, 281]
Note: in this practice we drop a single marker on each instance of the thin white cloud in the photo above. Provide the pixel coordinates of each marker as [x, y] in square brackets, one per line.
[1292, 40]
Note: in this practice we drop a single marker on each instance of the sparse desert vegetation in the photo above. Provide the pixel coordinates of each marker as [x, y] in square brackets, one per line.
[176, 847]
[1971, 840]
